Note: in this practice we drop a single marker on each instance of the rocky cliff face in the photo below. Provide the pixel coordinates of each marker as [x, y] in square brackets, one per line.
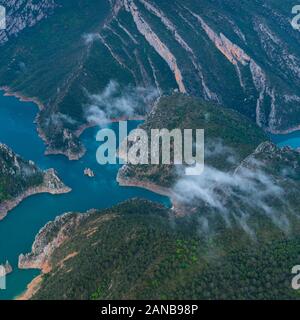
[20, 179]
[240, 55]
[22, 14]
[246, 178]
[120, 252]
[50, 238]
[11, 163]
[178, 33]
[17, 175]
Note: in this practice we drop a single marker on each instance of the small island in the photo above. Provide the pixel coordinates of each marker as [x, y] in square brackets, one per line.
[89, 173]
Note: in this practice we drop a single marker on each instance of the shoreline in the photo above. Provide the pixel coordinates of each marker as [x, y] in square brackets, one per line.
[177, 208]
[31, 289]
[43, 248]
[284, 132]
[34, 285]
[163, 191]
[145, 185]
[9, 205]
[44, 267]
[51, 184]
[78, 132]
[9, 93]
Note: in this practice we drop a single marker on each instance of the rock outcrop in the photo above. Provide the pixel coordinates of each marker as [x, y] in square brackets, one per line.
[21, 179]
[22, 14]
[248, 62]
[50, 237]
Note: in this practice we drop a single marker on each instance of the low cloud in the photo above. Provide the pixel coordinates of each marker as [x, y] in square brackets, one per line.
[59, 117]
[235, 195]
[60, 120]
[117, 102]
[90, 37]
[215, 148]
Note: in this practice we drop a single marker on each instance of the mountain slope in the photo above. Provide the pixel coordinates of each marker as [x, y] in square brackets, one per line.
[23, 14]
[239, 54]
[245, 175]
[118, 254]
[227, 133]
[232, 230]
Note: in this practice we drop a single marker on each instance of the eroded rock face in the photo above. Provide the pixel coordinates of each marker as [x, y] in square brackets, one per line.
[22, 14]
[21, 179]
[161, 48]
[53, 183]
[50, 237]
[261, 31]
[240, 56]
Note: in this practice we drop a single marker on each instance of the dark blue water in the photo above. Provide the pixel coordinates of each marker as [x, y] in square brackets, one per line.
[18, 229]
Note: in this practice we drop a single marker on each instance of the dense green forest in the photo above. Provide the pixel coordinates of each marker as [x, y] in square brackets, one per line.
[239, 241]
[224, 52]
[232, 233]
[235, 134]
[16, 175]
[138, 250]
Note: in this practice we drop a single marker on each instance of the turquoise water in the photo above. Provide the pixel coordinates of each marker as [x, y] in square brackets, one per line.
[18, 229]
[292, 140]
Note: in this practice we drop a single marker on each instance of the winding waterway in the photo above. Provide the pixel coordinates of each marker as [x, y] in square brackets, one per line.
[18, 229]
[287, 140]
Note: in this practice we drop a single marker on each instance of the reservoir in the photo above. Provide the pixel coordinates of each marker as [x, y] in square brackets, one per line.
[287, 140]
[19, 228]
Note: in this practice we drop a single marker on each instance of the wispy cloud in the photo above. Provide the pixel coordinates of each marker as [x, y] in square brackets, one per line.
[60, 120]
[90, 37]
[115, 101]
[238, 195]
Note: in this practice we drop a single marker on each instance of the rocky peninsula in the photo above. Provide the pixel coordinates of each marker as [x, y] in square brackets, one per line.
[22, 179]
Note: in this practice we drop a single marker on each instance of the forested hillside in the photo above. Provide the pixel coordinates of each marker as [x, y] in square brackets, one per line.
[239, 54]
[136, 250]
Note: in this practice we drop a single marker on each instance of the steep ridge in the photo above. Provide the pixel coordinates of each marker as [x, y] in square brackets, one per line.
[156, 43]
[245, 175]
[231, 52]
[118, 254]
[23, 14]
[241, 214]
